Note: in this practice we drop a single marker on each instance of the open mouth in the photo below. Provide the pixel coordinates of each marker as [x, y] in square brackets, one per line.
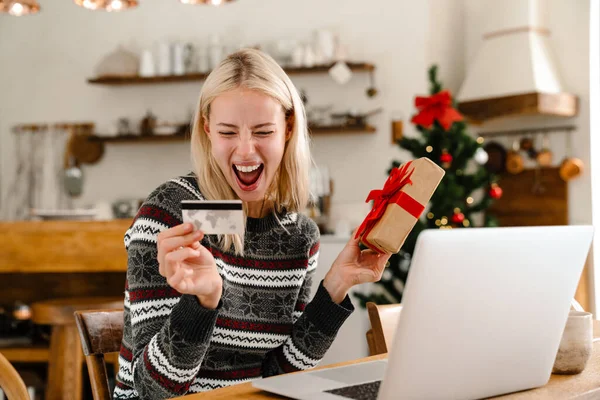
[248, 176]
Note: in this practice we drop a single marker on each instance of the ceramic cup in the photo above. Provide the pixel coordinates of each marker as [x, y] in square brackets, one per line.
[571, 168]
[576, 344]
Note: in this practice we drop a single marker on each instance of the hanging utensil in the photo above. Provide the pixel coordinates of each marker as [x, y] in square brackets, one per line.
[73, 179]
[496, 163]
[526, 143]
[514, 160]
[73, 175]
[371, 90]
[571, 167]
[82, 148]
[538, 186]
[528, 146]
[544, 157]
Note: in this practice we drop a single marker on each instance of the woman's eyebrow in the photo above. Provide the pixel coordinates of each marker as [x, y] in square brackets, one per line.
[227, 125]
[254, 127]
[263, 125]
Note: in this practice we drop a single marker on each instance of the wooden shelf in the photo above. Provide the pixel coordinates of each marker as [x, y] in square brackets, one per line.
[316, 130]
[341, 129]
[550, 104]
[139, 80]
[139, 138]
[26, 354]
[530, 131]
[355, 67]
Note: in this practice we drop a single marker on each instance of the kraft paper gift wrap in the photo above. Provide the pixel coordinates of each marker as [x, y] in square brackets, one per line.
[398, 206]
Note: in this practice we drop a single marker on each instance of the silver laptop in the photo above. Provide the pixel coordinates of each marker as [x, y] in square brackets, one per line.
[483, 314]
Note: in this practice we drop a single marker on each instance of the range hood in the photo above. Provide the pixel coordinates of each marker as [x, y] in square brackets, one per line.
[513, 72]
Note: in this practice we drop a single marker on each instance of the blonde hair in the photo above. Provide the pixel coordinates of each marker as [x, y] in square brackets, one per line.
[255, 70]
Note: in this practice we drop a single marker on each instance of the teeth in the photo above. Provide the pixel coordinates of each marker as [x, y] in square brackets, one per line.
[247, 168]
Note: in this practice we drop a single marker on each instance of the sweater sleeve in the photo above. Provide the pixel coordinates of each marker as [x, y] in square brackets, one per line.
[316, 324]
[166, 334]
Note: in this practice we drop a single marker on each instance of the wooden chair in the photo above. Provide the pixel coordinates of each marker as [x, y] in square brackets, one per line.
[384, 319]
[65, 364]
[101, 332]
[10, 381]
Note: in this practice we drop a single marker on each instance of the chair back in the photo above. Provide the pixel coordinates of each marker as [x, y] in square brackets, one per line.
[10, 381]
[101, 333]
[384, 319]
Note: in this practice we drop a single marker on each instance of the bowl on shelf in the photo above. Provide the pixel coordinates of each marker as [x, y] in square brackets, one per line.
[57, 214]
[165, 130]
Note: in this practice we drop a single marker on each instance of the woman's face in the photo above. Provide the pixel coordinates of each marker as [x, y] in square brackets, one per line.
[247, 131]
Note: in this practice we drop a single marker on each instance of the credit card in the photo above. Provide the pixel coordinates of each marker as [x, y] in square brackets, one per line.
[214, 217]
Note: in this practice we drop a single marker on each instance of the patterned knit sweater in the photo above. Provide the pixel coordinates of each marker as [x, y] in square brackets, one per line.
[265, 323]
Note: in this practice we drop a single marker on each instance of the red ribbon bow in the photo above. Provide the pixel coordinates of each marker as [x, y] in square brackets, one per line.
[391, 193]
[437, 107]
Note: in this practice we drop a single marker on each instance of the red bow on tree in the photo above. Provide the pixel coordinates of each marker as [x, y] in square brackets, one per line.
[437, 107]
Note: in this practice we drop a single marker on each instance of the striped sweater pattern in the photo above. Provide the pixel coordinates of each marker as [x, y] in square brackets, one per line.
[265, 324]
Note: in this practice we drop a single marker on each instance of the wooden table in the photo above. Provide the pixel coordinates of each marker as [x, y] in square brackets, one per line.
[584, 386]
[80, 259]
[66, 246]
[44, 260]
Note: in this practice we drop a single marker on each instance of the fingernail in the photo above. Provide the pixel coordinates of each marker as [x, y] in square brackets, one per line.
[188, 226]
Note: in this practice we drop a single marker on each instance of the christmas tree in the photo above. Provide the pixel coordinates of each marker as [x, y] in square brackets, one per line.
[464, 193]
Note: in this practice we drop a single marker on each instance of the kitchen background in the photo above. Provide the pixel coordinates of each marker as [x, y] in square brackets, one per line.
[47, 59]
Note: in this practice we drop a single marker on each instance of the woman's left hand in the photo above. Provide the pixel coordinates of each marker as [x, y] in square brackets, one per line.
[353, 267]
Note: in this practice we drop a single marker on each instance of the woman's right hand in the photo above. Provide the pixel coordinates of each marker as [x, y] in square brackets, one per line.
[188, 266]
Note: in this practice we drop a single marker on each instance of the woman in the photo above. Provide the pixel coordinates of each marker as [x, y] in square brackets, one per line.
[203, 312]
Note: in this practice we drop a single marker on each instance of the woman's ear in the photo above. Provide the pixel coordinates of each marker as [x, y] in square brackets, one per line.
[206, 127]
[289, 127]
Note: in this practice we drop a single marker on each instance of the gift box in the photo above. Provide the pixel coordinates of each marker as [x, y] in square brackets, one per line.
[398, 206]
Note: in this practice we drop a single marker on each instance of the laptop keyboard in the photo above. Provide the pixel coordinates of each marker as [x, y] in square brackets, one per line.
[364, 391]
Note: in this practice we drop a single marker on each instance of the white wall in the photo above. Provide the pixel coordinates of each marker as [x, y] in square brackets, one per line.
[47, 58]
[568, 22]
[445, 45]
[594, 140]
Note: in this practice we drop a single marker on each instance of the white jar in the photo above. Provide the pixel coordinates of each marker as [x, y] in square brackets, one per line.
[164, 59]
[147, 64]
[298, 56]
[325, 40]
[178, 61]
[309, 57]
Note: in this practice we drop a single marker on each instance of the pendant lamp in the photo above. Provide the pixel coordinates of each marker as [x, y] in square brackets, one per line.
[107, 5]
[19, 8]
